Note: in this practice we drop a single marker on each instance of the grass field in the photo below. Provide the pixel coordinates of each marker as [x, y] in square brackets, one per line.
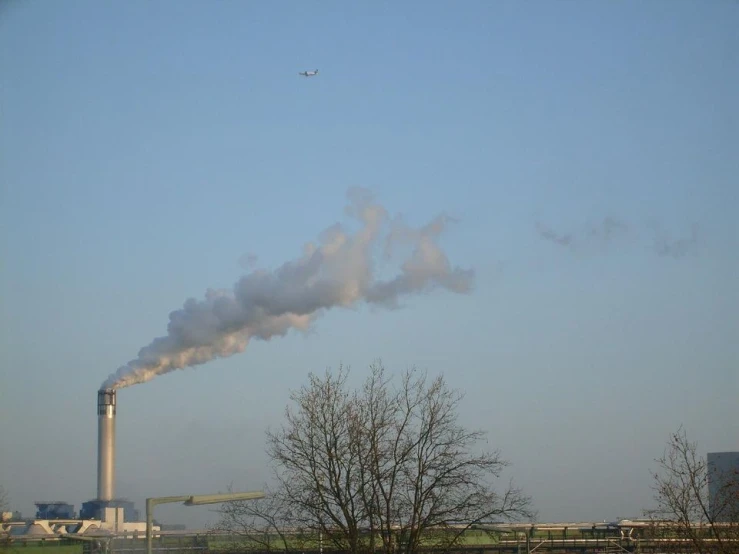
[48, 549]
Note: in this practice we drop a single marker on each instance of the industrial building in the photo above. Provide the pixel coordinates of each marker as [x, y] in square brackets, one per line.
[104, 517]
[94, 509]
[105, 514]
[54, 510]
[723, 486]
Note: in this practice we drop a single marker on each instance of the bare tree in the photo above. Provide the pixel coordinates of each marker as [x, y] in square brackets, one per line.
[318, 464]
[384, 467]
[424, 483]
[687, 513]
[4, 535]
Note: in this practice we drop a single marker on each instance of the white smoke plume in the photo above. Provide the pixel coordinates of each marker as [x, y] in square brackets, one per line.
[339, 271]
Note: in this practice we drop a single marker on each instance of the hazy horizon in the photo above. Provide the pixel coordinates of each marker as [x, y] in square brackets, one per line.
[585, 154]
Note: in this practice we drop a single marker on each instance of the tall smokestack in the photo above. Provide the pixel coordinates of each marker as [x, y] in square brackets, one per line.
[106, 444]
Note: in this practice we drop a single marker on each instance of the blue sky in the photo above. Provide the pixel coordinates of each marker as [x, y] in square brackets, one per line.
[146, 148]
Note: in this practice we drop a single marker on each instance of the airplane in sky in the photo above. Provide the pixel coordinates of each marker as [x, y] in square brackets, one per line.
[309, 73]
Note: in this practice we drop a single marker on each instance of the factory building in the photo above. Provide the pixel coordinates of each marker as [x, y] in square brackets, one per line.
[94, 509]
[723, 486]
[54, 510]
[104, 515]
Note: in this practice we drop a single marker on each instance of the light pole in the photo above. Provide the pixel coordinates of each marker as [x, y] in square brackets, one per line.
[192, 501]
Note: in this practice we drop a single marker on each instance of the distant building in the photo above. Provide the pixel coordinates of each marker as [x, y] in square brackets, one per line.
[54, 510]
[173, 527]
[723, 486]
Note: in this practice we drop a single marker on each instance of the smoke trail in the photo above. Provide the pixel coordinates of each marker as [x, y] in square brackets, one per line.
[675, 248]
[548, 234]
[337, 272]
[610, 229]
[601, 233]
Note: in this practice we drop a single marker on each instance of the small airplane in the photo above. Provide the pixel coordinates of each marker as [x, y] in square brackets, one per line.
[309, 73]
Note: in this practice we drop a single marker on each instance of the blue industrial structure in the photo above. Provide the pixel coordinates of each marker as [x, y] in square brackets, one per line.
[93, 509]
[54, 510]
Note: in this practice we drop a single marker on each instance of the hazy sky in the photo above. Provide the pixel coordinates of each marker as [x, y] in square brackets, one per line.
[589, 152]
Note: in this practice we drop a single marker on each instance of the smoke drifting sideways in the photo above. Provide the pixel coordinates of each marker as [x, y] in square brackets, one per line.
[611, 229]
[602, 233]
[337, 272]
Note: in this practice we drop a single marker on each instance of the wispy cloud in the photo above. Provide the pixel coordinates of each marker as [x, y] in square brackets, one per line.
[248, 261]
[666, 246]
[594, 235]
[548, 234]
[610, 229]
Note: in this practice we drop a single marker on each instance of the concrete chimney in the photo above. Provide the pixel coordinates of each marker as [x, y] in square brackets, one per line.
[106, 444]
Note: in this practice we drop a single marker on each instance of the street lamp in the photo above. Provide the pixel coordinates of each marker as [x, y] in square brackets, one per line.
[192, 501]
